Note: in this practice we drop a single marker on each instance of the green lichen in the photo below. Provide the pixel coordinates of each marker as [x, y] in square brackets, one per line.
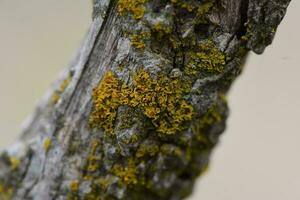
[211, 117]
[203, 11]
[127, 120]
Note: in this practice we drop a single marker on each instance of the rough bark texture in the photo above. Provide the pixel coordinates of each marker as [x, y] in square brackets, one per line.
[140, 108]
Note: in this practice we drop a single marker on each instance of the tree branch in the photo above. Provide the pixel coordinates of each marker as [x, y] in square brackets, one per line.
[139, 110]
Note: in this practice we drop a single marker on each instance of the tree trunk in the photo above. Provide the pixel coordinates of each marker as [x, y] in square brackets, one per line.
[140, 108]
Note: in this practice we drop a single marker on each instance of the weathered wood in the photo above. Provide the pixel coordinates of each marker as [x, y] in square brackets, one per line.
[140, 108]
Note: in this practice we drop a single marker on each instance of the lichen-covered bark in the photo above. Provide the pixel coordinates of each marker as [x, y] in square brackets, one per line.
[139, 110]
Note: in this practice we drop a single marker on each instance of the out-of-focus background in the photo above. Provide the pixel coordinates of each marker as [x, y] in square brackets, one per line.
[258, 157]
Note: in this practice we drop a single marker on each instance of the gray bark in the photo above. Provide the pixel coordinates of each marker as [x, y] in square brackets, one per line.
[63, 154]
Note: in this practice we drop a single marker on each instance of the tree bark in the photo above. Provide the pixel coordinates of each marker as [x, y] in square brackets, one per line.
[139, 110]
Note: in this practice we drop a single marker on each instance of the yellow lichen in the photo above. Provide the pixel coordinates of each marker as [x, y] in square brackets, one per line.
[138, 40]
[189, 6]
[74, 186]
[128, 173]
[209, 59]
[133, 139]
[171, 150]
[98, 187]
[56, 95]
[93, 163]
[160, 99]
[161, 29]
[47, 144]
[6, 193]
[103, 183]
[14, 163]
[134, 7]
[106, 102]
[93, 159]
[146, 149]
[55, 98]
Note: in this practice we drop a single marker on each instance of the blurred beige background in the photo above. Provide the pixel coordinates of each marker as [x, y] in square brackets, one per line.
[258, 157]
